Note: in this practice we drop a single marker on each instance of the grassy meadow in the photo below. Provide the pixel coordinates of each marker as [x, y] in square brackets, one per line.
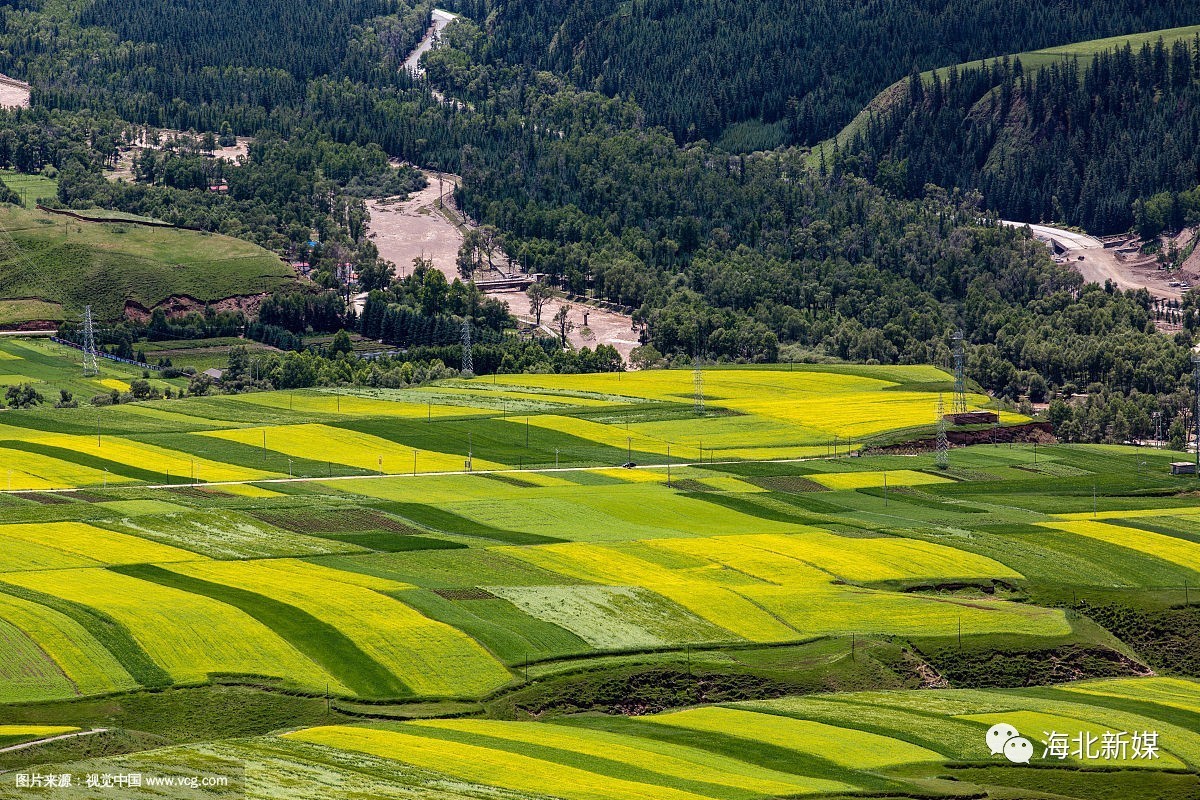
[64, 264]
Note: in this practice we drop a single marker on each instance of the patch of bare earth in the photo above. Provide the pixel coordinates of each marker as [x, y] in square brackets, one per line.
[13, 93]
[123, 170]
[418, 227]
[602, 327]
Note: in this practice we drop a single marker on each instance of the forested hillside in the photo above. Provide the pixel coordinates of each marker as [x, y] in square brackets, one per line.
[1086, 142]
[746, 258]
[807, 68]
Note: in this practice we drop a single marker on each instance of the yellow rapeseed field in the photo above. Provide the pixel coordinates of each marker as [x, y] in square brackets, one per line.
[95, 543]
[1168, 548]
[188, 635]
[867, 480]
[351, 448]
[500, 767]
[429, 656]
[667, 759]
[91, 667]
[845, 746]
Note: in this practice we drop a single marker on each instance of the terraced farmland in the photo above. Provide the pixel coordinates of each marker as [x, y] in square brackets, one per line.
[827, 744]
[750, 623]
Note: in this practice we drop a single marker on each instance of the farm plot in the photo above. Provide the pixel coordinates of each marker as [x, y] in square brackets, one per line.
[862, 405]
[612, 617]
[905, 714]
[350, 448]
[953, 721]
[91, 543]
[90, 667]
[486, 763]
[637, 511]
[21, 469]
[187, 635]
[846, 746]
[879, 559]
[10, 734]
[26, 672]
[762, 595]
[1168, 548]
[147, 458]
[432, 658]
[1171, 692]
[865, 480]
[344, 404]
[673, 761]
[497, 624]
[226, 535]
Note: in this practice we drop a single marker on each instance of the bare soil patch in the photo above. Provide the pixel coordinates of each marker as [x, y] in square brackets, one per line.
[13, 93]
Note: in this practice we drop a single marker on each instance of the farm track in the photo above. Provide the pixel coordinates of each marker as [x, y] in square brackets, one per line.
[35, 742]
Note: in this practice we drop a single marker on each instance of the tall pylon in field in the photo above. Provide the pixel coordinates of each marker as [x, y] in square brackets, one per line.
[698, 382]
[91, 364]
[960, 381]
[942, 460]
[468, 363]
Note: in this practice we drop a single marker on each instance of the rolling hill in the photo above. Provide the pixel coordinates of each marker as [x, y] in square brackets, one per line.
[51, 266]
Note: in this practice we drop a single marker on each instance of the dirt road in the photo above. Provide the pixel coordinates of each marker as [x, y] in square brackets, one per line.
[26, 745]
[1098, 263]
[440, 19]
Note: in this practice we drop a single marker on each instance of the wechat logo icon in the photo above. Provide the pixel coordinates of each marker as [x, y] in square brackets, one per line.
[1003, 738]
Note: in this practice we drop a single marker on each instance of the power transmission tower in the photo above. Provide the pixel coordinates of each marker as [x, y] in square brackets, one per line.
[468, 365]
[960, 382]
[943, 444]
[698, 381]
[91, 364]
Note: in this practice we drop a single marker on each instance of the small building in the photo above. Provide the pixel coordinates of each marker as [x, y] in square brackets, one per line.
[214, 373]
[1183, 468]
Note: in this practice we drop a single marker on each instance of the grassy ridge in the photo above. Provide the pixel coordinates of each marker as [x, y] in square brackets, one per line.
[107, 264]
